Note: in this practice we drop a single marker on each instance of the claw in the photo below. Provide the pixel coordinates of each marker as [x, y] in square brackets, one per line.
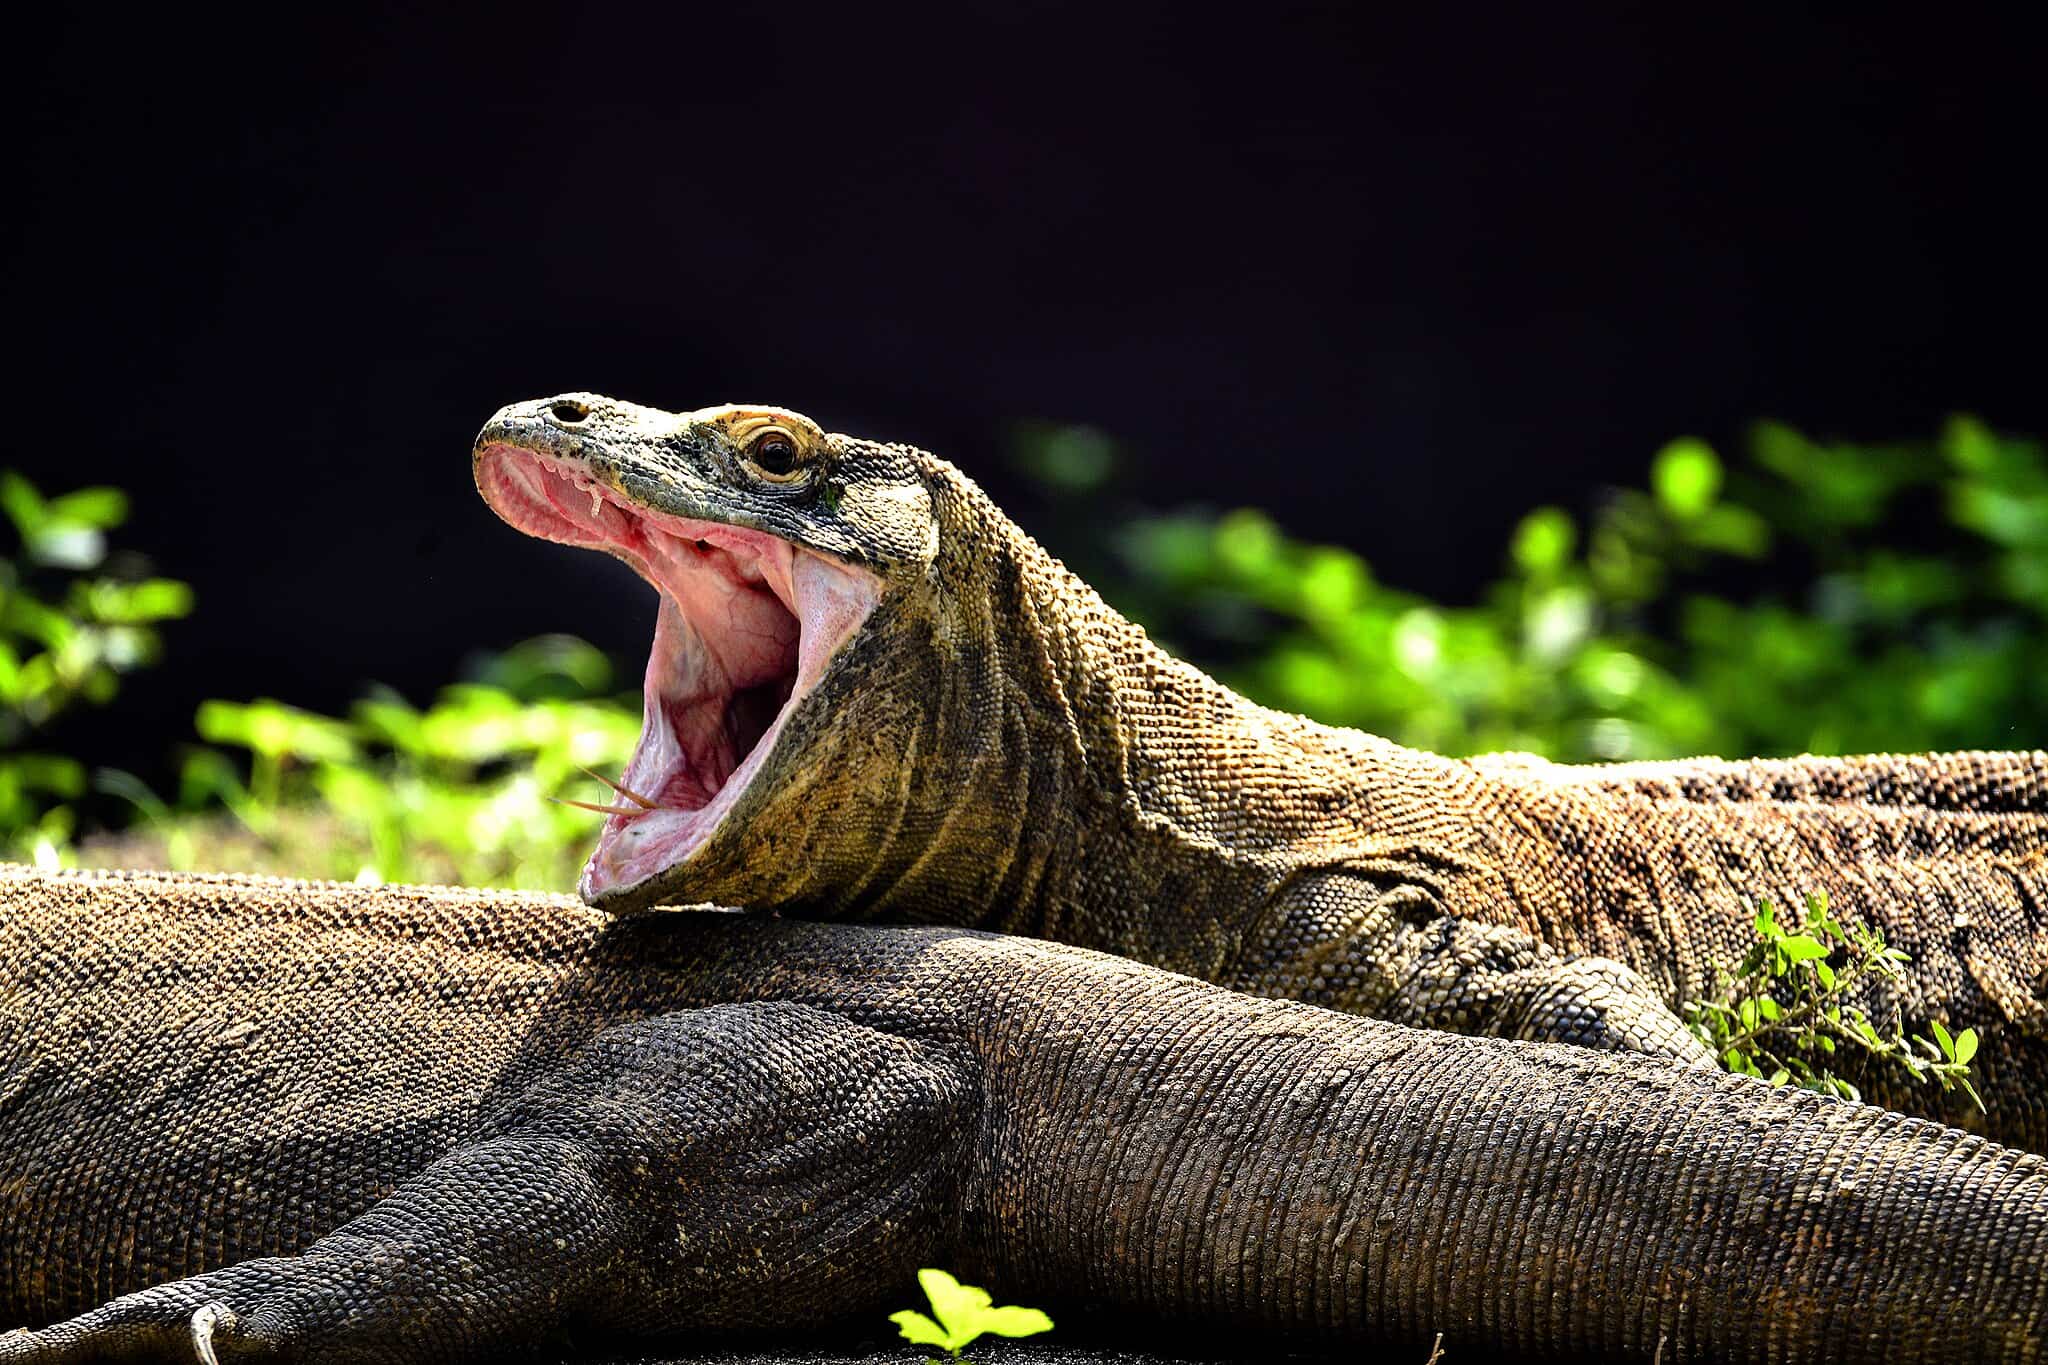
[206, 1319]
[622, 789]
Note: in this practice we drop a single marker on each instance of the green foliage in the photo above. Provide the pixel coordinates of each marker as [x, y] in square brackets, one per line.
[1783, 1014]
[963, 1313]
[1073, 459]
[1808, 598]
[73, 621]
[460, 791]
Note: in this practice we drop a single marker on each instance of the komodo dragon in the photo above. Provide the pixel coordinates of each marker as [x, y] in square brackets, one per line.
[422, 1124]
[871, 695]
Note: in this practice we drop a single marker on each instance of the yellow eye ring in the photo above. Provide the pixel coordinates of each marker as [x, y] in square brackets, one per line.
[776, 455]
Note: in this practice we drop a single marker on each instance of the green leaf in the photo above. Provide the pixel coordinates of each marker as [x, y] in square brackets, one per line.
[1072, 459]
[1543, 542]
[1798, 948]
[1251, 548]
[1969, 444]
[1766, 919]
[1012, 1321]
[1730, 530]
[52, 773]
[918, 1329]
[1686, 477]
[956, 1305]
[1332, 583]
[101, 508]
[274, 730]
[1941, 1036]
[1966, 1045]
[24, 506]
[154, 599]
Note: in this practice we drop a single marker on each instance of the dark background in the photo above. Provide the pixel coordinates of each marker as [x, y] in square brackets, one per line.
[1398, 279]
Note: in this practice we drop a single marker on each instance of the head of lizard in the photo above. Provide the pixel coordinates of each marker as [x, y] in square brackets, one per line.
[791, 565]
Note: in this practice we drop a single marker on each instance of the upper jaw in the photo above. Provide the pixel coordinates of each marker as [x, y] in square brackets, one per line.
[748, 625]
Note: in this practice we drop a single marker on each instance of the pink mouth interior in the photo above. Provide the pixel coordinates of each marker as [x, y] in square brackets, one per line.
[747, 625]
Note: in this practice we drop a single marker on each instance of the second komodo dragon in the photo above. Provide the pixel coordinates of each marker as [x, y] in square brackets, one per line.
[871, 695]
[247, 1118]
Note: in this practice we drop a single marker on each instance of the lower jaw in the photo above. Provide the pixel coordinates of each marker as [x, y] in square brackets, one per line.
[647, 845]
[830, 603]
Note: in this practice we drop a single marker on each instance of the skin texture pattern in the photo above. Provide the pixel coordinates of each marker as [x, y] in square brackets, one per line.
[255, 1118]
[871, 696]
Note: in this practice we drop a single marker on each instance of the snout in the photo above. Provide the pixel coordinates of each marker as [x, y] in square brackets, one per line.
[563, 425]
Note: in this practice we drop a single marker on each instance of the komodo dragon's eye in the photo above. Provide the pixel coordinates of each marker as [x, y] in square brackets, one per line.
[775, 455]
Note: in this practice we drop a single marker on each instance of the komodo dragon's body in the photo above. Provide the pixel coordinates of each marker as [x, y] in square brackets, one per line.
[871, 695]
[422, 1124]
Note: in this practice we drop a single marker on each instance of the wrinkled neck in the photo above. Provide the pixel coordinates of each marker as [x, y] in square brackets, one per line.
[1051, 772]
[1130, 811]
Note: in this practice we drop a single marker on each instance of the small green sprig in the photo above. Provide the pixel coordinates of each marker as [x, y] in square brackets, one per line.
[1783, 1013]
[964, 1313]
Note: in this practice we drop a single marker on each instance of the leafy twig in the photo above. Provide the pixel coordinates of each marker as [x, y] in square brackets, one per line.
[1784, 1011]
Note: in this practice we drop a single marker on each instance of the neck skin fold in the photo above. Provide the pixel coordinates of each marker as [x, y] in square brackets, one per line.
[1109, 775]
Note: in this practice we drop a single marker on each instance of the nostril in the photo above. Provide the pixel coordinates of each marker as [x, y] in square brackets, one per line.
[568, 411]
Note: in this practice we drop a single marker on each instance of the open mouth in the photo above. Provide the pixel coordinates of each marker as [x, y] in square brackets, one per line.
[748, 625]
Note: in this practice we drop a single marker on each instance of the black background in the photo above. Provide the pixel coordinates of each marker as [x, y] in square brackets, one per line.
[1397, 278]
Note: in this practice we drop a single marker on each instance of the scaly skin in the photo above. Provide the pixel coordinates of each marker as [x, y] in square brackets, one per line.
[996, 747]
[415, 1123]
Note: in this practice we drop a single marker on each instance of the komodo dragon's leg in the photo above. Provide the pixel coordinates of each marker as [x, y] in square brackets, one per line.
[725, 1167]
[1342, 942]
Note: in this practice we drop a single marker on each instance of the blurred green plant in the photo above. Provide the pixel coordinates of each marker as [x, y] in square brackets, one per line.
[1807, 598]
[73, 619]
[1783, 1013]
[456, 792]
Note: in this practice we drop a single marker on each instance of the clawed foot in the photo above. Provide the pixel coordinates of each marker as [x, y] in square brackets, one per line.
[690, 1166]
[171, 1322]
[1599, 1003]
